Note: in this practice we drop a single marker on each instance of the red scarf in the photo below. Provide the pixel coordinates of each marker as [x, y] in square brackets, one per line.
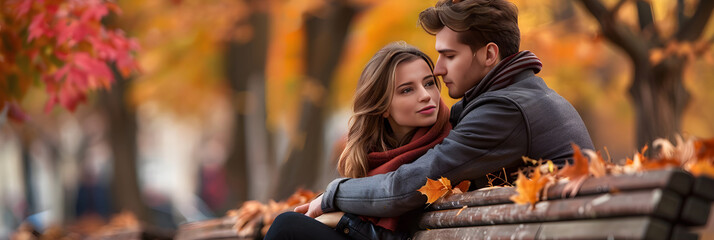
[388, 161]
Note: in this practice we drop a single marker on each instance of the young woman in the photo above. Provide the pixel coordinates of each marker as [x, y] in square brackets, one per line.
[398, 116]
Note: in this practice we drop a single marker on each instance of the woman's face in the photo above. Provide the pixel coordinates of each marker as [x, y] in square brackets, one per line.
[415, 101]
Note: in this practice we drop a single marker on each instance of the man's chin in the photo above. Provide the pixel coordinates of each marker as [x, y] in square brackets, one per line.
[455, 95]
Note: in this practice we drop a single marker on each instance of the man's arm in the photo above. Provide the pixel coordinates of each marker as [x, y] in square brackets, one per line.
[492, 136]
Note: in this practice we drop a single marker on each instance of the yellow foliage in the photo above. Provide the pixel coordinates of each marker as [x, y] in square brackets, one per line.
[182, 51]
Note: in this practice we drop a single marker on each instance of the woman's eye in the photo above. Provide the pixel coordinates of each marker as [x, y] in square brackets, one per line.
[405, 90]
[429, 83]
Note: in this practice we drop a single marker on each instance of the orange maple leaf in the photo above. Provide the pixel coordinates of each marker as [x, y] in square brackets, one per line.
[650, 164]
[462, 187]
[702, 168]
[579, 168]
[300, 196]
[434, 189]
[576, 173]
[528, 190]
[704, 148]
[598, 166]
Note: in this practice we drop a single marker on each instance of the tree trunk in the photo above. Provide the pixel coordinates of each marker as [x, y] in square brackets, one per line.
[659, 99]
[27, 177]
[657, 91]
[325, 40]
[245, 62]
[122, 128]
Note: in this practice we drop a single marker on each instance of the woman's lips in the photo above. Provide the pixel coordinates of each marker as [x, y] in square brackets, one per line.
[427, 110]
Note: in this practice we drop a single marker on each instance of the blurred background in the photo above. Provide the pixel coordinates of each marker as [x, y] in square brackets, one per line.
[235, 100]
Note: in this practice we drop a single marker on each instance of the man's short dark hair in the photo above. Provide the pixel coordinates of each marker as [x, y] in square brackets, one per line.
[478, 22]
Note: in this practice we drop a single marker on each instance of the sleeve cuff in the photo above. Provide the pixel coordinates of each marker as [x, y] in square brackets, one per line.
[328, 198]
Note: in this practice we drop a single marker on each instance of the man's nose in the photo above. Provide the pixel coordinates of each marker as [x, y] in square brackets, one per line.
[439, 69]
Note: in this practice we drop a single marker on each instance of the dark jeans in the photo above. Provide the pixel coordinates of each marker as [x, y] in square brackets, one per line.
[292, 225]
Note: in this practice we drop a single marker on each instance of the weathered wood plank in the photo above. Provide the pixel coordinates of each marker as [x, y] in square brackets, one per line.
[220, 228]
[616, 228]
[139, 233]
[680, 232]
[217, 234]
[695, 211]
[127, 234]
[704, 188]
[675, 180]
[654, 202]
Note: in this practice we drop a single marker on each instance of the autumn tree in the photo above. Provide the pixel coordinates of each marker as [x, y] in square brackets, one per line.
[659, 57]
[65, 48]
[245, 61]
[62, 46]
[325, 38]
[207, 52]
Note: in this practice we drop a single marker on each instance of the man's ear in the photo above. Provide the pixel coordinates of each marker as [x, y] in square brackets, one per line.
[492, 55]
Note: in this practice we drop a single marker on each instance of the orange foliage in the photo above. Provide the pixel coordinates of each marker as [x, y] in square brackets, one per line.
[435, 189]
[252, 212]
[693, 155]
[183, 46]
[462, 187]
[529, 190]
[578, 169]
[118, 223]
[597, 167]
[704, 149]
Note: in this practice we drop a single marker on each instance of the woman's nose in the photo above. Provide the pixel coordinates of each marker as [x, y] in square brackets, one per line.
[424, 95]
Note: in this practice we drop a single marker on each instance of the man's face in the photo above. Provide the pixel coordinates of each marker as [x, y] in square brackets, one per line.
[460, 68]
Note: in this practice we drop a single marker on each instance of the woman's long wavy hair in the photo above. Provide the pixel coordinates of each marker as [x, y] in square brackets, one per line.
[369, 131]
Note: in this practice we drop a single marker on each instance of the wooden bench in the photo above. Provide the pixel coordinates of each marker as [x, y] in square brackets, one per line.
[221, 228]
[132, 233]
[663, 204]
[224, 228]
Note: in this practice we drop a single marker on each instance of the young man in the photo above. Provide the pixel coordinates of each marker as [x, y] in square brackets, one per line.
[506, 112]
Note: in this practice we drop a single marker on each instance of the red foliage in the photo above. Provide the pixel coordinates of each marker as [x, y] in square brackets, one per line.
[64, 44]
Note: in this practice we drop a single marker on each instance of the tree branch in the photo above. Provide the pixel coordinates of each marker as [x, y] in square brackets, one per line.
[617, 7]
[647, 24]
[694, 26]
[634, 45]
[681, 19]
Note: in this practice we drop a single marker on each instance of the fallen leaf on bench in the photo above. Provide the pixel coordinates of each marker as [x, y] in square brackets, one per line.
[462, 209]
[529, 189]
[598, 167]
[702, 168]
[434, 189]
[579, 168]
[704, 148]
[462, 187]
[576, 172]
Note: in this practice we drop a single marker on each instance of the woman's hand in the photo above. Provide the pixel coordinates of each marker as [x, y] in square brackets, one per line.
[311, 209]
[330, 219]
